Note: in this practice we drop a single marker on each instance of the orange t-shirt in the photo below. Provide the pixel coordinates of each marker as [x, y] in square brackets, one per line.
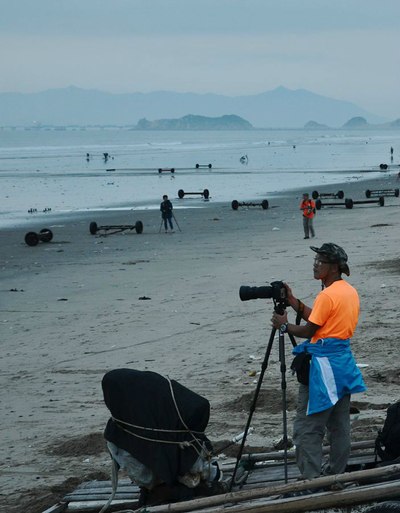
[308, 206]
[336, 311]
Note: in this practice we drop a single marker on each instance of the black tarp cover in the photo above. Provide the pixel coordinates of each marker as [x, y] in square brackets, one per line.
[144, 398]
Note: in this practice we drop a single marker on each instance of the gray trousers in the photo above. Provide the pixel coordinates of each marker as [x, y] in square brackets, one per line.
[309, 432]
[308, 227]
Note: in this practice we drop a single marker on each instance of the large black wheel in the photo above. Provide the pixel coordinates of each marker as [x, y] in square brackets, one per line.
[235, 204]
[209, 166]
[197, 166]
[93, 228]
[32, 239]
[384, 507]
[181, 193]
[206, 193]
[45, 235]
[139, 226]
[367, 193]
[348, 202]
[264, 204]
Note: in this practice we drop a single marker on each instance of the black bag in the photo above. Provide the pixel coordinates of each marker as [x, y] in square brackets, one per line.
[387, 443]
[301, 366]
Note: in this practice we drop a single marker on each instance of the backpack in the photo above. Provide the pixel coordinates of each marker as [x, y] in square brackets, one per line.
[387, 443]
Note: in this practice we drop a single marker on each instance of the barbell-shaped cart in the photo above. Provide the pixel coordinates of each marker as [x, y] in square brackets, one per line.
[109, 229]
[205, 193]
[236, 204]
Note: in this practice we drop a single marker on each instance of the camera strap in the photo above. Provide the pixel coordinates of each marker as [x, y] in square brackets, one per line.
[300, 310]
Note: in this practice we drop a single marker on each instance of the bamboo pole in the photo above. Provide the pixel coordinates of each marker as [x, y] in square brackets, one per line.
[57, 508]
[259, 493]
[339, 499]
[278, 455]
[97, 505]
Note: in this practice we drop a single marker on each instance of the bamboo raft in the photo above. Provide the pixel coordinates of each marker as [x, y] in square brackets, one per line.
[263, 491]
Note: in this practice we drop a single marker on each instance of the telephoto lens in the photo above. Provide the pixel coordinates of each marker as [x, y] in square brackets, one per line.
[247, 293]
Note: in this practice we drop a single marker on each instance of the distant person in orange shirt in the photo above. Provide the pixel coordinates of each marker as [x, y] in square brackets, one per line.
[324, 396]
[308, 208]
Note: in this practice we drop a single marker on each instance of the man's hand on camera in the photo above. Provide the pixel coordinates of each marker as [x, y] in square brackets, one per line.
[277, 320]
[292, 301]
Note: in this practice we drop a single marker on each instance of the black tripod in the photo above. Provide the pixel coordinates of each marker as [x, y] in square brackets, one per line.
[279, 307]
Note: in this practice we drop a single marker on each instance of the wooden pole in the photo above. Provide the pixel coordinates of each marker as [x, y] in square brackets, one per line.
[259, 493]
[57, 508]
[278, 455]
[323, 500]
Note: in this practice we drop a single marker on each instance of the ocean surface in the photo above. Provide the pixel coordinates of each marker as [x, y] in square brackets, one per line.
[53, 172]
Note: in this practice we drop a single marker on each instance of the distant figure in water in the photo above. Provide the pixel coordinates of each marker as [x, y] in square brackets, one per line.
[244, 159]
[87, 157]
[391, 154]
[105, 155]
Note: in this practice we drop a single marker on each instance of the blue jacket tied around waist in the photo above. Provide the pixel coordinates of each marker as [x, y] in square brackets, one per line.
[333, 372]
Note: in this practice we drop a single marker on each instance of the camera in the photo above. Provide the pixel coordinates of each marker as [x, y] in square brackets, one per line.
[277, 291]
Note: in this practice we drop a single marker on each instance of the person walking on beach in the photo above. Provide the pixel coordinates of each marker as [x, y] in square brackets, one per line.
[166, 213]
[324, 402]
[308, 208]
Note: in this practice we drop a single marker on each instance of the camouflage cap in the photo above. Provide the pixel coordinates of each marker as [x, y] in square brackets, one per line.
[334, 254]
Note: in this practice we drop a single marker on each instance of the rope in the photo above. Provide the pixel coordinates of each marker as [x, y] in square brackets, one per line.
[200, 444]
[114, 483]
[159, 430]
[183, 444]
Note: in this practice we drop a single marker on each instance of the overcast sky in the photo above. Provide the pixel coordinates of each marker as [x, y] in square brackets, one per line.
[345, 49]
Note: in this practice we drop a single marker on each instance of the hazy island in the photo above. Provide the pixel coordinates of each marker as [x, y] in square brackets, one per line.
[355, 123]
[192, 122]
[313, 125]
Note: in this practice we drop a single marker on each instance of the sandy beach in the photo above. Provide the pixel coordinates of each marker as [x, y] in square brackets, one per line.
[81, 305]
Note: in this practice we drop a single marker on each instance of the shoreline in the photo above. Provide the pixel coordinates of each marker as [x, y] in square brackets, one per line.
[72, 310]
[357, 187]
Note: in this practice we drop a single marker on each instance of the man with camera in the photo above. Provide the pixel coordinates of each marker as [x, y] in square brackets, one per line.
[166, 213]
[324, 402]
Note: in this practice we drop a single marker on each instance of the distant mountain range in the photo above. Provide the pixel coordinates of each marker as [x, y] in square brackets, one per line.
[279, 108]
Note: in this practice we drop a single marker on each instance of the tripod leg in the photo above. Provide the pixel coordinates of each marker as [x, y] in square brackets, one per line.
[253, 404]
[278, 308]
[179, 228]
[284, 401]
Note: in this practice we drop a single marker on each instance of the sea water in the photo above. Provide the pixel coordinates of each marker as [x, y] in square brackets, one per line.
[69, 170]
